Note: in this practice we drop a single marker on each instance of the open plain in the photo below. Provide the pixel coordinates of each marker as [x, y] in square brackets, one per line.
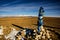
[50, 23]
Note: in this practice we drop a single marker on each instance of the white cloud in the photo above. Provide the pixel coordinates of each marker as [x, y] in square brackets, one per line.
[10, 3]
[15, 15]
[27, 7]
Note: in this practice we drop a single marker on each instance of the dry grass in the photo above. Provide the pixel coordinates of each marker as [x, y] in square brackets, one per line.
[26, 22]
[52, 21]
[21, 21]
[29, 21]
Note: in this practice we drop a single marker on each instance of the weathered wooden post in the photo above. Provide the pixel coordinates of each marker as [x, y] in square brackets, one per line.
[40, 19]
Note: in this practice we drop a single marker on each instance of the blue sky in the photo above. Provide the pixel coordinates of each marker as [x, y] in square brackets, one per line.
[29, 7]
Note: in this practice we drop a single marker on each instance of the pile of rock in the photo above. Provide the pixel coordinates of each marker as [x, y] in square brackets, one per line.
[44, 34]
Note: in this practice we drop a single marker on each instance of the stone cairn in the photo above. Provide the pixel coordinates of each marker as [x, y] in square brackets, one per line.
[44, 34]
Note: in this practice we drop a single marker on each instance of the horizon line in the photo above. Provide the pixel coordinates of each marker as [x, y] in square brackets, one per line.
[24, 15]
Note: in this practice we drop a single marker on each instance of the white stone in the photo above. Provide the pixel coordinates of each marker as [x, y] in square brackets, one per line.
[1, 30]
[50, 39]
[43, 37]
[41, 33]
[12, 34]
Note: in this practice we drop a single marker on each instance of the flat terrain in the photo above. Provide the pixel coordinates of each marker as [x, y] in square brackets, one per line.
[50, 23]
[21, 21]
[29, 21]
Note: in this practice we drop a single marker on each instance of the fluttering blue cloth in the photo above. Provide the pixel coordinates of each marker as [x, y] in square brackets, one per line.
[40, 19]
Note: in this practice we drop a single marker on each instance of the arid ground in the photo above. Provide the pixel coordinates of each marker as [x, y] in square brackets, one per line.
[50, 23]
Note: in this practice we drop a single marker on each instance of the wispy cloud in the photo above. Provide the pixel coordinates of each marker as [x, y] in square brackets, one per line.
[21, 7]
[8, 4]
[15, 15]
